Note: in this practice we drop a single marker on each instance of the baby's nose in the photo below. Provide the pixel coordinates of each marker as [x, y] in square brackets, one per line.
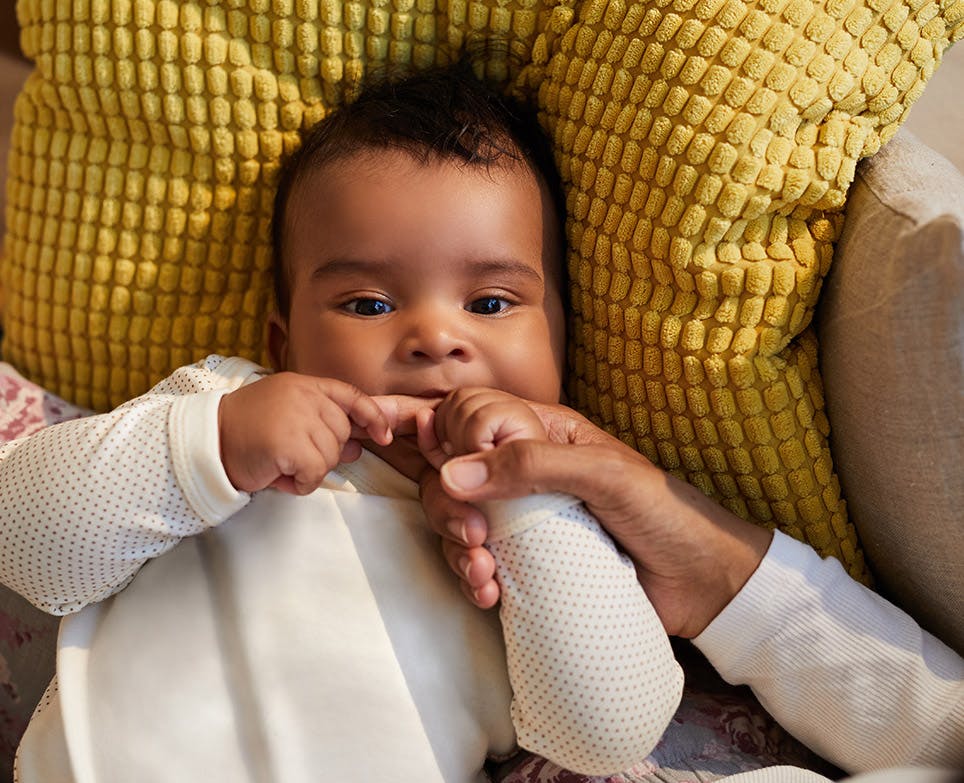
[438, 352]
[435, 347]
[433, 340]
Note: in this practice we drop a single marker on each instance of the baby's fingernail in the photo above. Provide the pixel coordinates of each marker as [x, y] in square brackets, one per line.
[457, 528]
[447, 448]
[470, 474]
[465, 566]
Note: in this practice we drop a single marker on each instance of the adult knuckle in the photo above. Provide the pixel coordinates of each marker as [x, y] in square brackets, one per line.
[523, 458]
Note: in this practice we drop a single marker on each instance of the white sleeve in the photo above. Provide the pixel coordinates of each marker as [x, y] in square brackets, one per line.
[849, 674]
[593, 676]
[87, 502]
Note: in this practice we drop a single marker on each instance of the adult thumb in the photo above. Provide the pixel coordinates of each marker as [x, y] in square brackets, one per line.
[527, 467]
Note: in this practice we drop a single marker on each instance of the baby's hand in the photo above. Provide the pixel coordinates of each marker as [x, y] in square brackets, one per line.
[288, 430]
[476, 419]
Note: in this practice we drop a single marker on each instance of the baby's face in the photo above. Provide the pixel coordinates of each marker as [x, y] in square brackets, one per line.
[418, 278]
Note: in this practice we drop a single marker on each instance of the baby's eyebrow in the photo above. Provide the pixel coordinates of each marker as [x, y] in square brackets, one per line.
[485, 267]
[346, 266]
[503, 267]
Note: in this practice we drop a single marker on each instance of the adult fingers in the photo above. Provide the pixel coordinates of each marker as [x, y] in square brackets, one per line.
[525, 467]
[453, 519]
[463, 530]
[485, 596]
[474, 565]
[691, 555]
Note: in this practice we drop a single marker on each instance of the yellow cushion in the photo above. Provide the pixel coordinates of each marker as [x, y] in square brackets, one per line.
[706, 145]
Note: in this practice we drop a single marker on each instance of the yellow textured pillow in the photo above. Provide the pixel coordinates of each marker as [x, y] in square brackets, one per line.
[706, 146]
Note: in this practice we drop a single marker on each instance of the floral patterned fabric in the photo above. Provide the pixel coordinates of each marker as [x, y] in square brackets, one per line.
[26, 408]
[27, 636]
[718, 730]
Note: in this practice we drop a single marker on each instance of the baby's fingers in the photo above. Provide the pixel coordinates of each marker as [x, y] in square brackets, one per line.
[454, 416]
[304, 466]
[366, 416]
[402, 410]
[480, 427]
[306, 470]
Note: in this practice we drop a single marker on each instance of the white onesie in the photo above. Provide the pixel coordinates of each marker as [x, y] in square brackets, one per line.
[283, 638]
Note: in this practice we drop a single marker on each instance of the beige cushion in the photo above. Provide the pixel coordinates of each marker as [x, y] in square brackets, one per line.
[893, 369]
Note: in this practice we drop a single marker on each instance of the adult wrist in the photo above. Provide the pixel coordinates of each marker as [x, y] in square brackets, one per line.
[744, 617]
[724, 552]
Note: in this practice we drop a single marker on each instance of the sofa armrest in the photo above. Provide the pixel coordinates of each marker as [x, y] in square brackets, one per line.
[891, 327]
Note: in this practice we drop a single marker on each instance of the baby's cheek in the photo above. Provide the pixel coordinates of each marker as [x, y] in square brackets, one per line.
[536, 377]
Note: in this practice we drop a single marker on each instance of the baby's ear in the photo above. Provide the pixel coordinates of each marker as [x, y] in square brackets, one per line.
[277, 341]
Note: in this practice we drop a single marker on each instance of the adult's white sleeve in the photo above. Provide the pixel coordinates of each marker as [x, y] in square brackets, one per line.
[87, 502]
[848, 673]
[593, 676]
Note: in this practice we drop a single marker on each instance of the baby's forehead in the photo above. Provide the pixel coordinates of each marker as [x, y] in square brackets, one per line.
[320, 179]
[375, 156]
[352, 205]
[340, 183]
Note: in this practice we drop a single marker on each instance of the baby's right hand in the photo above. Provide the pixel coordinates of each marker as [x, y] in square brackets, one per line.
[476, 419]
[288, 430]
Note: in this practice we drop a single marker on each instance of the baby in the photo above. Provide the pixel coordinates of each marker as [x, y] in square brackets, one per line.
[302, 624]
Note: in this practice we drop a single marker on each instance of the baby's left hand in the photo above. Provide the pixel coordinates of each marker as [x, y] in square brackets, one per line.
[475, 419]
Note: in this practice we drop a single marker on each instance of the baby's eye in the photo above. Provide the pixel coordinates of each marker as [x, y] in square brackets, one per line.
[368, 307]
[488, 305]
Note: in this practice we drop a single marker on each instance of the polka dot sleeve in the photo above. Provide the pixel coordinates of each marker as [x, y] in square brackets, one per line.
[86, 503]
[593, 675]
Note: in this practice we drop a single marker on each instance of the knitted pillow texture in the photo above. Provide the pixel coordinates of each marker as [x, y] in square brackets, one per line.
[706, 147]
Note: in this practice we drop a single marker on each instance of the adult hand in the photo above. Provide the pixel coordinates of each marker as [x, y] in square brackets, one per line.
[691, 555]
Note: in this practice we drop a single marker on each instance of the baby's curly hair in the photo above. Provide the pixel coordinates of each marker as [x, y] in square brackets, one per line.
[440, 113]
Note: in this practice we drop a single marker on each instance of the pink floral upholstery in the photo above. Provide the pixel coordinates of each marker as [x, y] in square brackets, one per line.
[718, 729]
[27, 636]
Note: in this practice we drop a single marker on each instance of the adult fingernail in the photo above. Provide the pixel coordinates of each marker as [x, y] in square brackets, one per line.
[457, 528]
[465, 566]
[465, 475]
